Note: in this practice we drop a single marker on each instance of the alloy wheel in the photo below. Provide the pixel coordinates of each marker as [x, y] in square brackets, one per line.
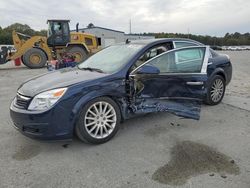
[100, 120]
[217, 90]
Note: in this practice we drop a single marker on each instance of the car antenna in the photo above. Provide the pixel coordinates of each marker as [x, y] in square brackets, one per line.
[127, 41]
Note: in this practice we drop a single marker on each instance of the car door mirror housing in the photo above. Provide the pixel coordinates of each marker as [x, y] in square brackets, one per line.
[148, 69]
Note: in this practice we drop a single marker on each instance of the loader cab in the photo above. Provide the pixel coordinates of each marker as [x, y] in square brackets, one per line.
[58, 33]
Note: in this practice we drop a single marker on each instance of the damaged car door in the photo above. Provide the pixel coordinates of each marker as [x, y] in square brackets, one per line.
[172, 81]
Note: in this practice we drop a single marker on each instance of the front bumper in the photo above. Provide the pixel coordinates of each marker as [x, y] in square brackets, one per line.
[54, 124]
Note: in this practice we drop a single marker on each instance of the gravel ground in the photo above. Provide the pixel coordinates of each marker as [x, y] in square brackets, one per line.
[156, 150]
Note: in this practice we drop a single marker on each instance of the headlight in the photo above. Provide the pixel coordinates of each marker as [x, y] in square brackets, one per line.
[47, 99]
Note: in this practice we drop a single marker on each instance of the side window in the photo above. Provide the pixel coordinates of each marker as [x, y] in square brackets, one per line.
[180, 61]
[185, 55]
[58, 28]
[152, 52]
[88, 41]
[49, 31]
[65, 29]
[184, 44]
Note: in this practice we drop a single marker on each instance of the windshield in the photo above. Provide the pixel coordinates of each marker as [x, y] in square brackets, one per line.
[111, 59]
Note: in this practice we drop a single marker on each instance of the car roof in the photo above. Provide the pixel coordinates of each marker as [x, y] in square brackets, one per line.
[161, 40]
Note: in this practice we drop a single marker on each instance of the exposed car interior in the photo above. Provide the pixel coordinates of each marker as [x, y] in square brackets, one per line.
[153, 52]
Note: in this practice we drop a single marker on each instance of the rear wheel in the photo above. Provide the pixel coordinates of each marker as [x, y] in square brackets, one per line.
[215, 90]
[34, 58]
[79, 53]
[99, 121]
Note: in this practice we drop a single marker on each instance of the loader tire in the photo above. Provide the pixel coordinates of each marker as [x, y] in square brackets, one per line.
[80, 53]
[34, 58]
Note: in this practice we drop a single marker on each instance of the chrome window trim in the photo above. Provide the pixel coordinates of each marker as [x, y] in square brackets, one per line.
[174, 74]
[174, 44]
[204, 65]
[205, 61]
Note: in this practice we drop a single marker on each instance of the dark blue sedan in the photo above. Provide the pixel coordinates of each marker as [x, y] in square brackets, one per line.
[120, 82]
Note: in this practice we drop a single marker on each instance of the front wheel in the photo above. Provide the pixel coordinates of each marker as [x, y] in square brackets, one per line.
[99, 121]
[215, 90]
[79, 53]
[34, 58]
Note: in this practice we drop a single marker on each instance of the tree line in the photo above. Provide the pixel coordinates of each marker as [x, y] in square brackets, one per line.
[232, 39]
[6, 33]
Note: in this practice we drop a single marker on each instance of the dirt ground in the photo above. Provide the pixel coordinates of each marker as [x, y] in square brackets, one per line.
[156, 150]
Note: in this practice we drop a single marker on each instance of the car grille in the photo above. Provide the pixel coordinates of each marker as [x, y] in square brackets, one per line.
[22, 101]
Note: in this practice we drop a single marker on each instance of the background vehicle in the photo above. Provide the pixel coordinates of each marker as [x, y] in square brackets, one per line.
[35, 51]
[117, 83]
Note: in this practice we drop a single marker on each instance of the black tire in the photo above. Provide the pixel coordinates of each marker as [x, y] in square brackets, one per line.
[34, 58]
[80, 53]
[209, 99]
[81, 130]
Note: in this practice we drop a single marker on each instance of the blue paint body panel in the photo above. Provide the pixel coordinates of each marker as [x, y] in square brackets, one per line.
[160, 93]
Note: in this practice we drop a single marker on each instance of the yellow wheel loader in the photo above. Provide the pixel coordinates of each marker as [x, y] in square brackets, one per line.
[35, 51]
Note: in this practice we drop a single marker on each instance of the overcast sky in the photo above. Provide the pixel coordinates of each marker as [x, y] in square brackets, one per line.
[213, 17]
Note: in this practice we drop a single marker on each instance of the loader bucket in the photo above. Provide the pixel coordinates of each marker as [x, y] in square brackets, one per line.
[3, 54]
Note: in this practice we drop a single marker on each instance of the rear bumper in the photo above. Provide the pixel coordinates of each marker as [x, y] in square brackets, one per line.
[47, 125]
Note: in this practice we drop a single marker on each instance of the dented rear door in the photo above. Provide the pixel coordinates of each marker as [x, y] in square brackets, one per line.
[179, 88]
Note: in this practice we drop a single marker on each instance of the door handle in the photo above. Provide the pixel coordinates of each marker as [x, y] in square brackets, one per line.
[195, 83]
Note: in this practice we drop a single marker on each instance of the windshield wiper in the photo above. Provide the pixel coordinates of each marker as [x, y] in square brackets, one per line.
[91, 69]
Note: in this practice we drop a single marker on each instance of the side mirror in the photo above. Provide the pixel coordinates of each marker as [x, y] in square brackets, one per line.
[148, 69]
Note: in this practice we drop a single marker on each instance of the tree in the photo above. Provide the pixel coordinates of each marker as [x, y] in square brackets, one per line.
[237, 35]
[227, 35]
[90, 25]
[6, 33]
[42, 32]
[5, 38]
[20, 28]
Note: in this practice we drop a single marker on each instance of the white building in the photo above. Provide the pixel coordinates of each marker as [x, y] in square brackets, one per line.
[108, 37]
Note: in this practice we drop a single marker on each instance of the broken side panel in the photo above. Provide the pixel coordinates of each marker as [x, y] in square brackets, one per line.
[182, 108]
[178, 94]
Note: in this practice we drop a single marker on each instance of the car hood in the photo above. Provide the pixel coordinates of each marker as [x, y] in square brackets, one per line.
[57, 79]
